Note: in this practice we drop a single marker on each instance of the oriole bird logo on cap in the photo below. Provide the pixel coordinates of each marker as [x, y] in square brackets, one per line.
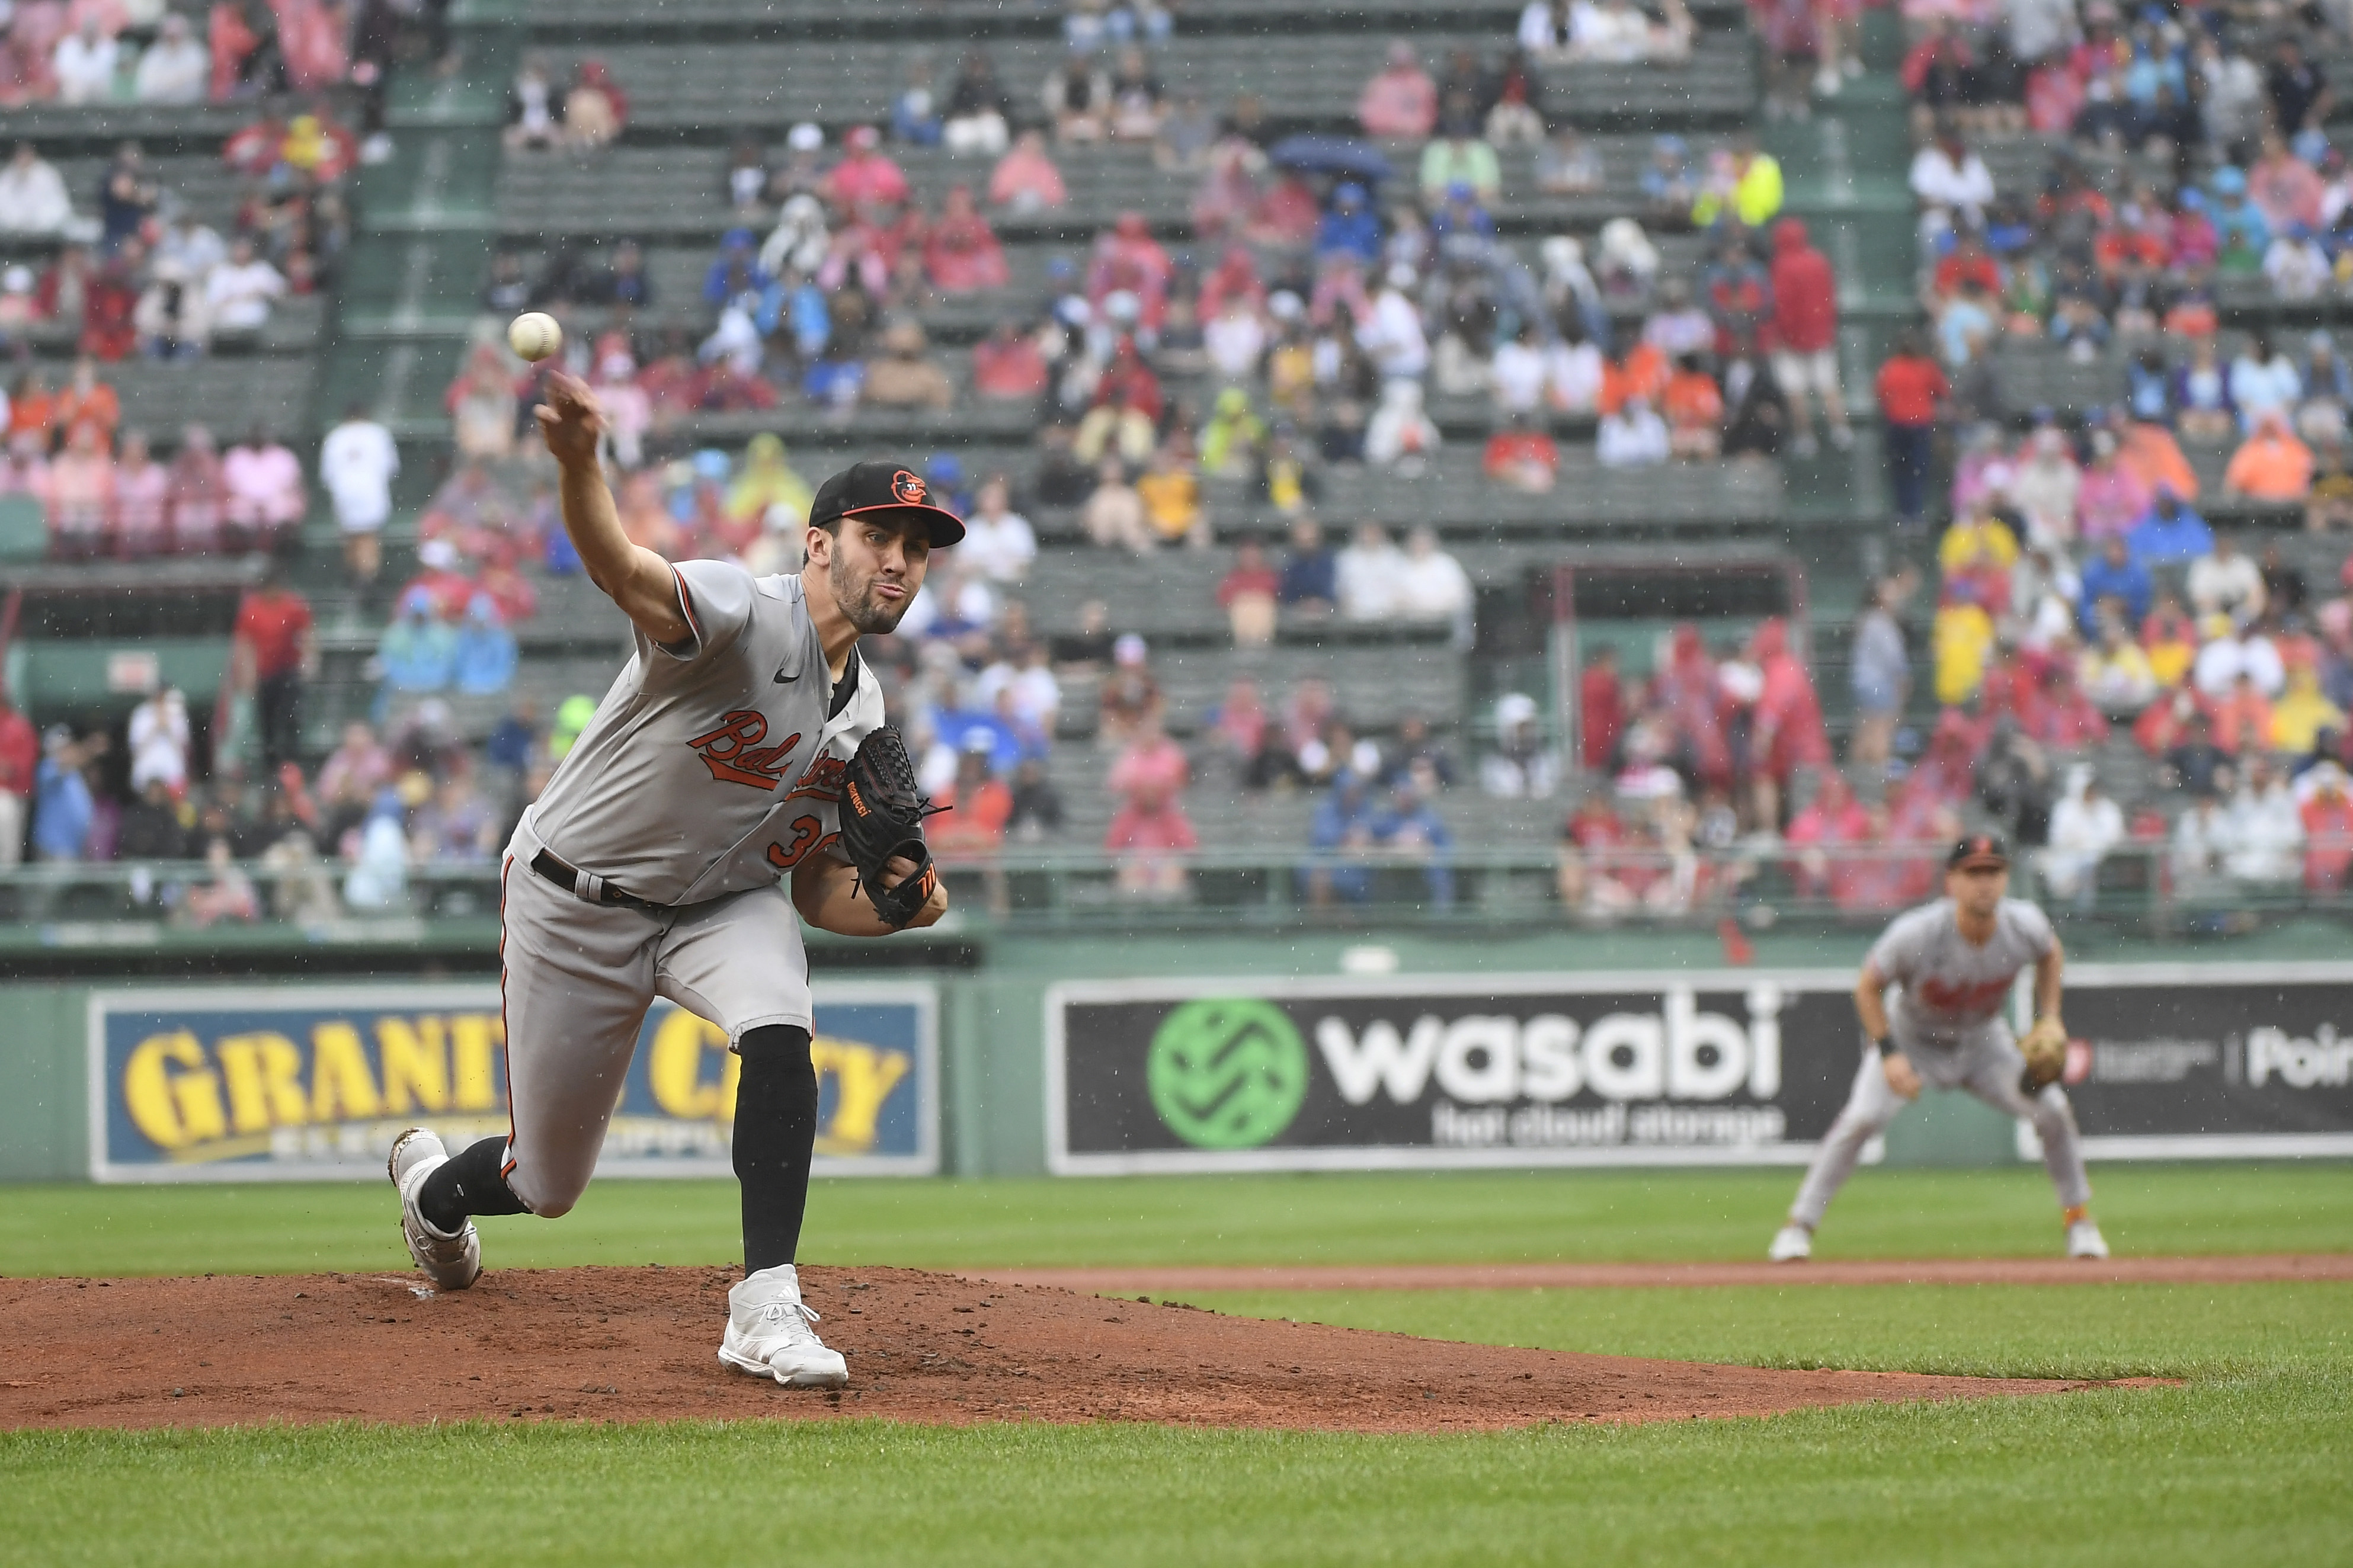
[910, 487]
[1976, 848]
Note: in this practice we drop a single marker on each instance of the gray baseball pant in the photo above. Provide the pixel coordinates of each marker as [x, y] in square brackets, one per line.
[577, 979]
[1987, 1063]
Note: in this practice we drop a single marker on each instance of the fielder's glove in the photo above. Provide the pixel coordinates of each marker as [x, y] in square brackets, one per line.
[882, 819]
[2045, 1050]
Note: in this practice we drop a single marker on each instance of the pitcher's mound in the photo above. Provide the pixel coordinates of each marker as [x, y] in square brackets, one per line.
[641, 1344]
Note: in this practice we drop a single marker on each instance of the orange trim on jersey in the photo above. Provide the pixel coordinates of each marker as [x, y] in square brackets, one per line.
[686, 607]
[505, 867]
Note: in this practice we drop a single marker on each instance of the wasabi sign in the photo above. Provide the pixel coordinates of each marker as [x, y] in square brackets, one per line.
[1724, 1067]
[1445, 1071]
[246, 1084]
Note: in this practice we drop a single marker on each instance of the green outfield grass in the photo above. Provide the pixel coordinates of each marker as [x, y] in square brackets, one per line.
[2203, 1333]
[1471, 1218]
[2244, 1464]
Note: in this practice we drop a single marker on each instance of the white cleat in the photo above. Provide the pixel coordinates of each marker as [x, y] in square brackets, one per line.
[768, 1333]
[1791, 1244]
[451, 1262]
[2085, 1240]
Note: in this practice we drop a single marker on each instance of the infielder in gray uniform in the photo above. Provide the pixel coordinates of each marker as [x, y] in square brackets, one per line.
[1952, 965]
[675, 852]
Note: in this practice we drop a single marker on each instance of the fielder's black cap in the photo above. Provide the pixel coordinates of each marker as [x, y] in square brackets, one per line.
[883, 485]
[1979, 849]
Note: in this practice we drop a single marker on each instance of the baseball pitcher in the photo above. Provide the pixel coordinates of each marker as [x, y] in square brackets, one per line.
[1952, 964]
[737, 780]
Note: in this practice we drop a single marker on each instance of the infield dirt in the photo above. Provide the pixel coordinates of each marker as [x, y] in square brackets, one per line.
[627, 1344]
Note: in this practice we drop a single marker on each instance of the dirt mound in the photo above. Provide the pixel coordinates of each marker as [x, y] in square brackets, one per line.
[638, 1343]
[2245, 1268]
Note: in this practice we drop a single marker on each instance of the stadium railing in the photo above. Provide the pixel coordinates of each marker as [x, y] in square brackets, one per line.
[124, 905]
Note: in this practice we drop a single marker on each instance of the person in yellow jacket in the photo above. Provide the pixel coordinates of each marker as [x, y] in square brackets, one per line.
[2302, 713]
[1746, 180]
[2170, 640]
[769, 481]
[1978, 538]
[1960, 642]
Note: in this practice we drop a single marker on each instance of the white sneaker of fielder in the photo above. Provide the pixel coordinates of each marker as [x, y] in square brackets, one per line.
[1791, 1244]
[2085, 1240]
[768, 1333]
[451, 1262]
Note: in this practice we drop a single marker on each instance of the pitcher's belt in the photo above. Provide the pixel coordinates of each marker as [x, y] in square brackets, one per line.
[589, 887]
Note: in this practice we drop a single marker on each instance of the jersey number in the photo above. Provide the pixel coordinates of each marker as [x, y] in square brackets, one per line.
[805, 831]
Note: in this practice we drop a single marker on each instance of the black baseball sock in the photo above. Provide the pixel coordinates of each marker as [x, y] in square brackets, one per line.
[469, 1183]
[776, 1132]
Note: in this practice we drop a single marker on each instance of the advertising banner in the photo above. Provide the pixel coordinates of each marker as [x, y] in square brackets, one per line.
[1446, 1070]
[2224, 1060]
[1721, 1067]
[233, 1083]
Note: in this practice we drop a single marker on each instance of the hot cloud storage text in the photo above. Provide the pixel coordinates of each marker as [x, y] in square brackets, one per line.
[1499, 1079]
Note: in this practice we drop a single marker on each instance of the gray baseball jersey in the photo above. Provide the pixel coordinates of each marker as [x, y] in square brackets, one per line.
[709, 772]
[1950, 988]
[1947, 1018]
[710, 769]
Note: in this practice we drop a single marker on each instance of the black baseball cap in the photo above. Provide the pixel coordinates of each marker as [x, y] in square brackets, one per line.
[1979, 849]
[884, 486]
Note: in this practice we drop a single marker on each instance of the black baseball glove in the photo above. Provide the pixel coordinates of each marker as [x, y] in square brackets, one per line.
[882, 819]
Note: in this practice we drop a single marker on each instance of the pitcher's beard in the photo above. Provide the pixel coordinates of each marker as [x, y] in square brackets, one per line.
[861, 608]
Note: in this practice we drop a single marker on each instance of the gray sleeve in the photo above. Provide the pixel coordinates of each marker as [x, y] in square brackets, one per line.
[2033, 926]
[715, 596]
[1897, 953]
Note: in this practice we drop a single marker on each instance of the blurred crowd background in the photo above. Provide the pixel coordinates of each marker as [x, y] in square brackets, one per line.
[1599, 461]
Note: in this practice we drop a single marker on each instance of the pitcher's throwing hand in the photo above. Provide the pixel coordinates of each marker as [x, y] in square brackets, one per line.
[571, 421]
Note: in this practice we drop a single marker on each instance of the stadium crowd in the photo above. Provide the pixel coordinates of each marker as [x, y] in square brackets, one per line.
[141, 273]
[150, 52]
[2230, 670]
[1311, 318]
[134, 268]
[1315, 317]
[2083, 601]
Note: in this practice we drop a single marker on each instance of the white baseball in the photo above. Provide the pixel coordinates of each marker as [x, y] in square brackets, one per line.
[534, 335]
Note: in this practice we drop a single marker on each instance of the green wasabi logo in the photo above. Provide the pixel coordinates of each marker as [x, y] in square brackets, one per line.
[1226, 1074]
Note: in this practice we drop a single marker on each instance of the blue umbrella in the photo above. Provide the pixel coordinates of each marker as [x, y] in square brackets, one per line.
[1317, 155]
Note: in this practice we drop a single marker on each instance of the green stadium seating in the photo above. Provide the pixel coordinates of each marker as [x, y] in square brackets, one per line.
[678, 192]
[676, 273]
[967, 19]
[229, 395]
[23, 530]
[1301, 78]
[97, 125]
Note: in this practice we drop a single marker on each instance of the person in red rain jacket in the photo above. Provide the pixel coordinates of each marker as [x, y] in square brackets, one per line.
[1602, 704]
[107, 303]
[2327, 831]
[1788, 732]
[1911, 388]
[1803, 335]
[1832, 819]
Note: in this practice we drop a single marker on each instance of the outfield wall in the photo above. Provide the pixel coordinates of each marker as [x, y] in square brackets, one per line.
[1258, 1050]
